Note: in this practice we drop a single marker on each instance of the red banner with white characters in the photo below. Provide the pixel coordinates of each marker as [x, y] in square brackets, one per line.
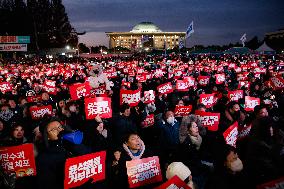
[130, 97]
[127, 84]
[274, 184]
[182, 110]
[220, 78]
[98, 106]
[181, 85]
[49, 87]
[141, 78]
[208, 119]
[159, 73]
[235, 95]
[165, 88]
[79, 90]
[34, 98]
[149, 96]
[149, 121]
[39, 112]
[79, 170]
[277, 82]
[174, 183]
[5, 87]
[19, 159]
[101, 91]
[231, 134]
[111, 74]
[244, 132]
[208, 100]
[143, 171]
[203, 80]
[189, 80]
[251, 102]
[245, 84]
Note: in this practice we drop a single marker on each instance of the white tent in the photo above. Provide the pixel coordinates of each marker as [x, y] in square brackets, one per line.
[264, 48]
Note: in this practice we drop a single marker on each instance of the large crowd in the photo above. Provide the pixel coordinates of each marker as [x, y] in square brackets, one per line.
[200, 156]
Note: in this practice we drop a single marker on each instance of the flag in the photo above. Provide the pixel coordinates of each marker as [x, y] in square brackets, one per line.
[180, 44]
[189, 30]
[243, 39]
[144, 38]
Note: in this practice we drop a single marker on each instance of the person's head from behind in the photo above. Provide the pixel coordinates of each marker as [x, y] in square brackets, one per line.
[180, 170]
[125, 110]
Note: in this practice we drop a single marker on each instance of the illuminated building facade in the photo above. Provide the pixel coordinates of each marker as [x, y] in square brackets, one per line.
[144, 36]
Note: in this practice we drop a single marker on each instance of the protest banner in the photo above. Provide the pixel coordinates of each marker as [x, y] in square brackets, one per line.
[98, 106]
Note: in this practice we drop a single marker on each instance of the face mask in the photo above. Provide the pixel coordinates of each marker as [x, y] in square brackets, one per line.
[237, 165]
[171, 120]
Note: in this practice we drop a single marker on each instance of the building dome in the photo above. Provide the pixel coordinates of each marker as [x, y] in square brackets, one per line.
[145, 27]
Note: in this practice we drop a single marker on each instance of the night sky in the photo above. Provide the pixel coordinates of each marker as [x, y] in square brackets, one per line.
[215, 22]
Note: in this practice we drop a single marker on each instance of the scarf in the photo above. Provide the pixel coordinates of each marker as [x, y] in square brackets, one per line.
[141, 151]
[196, 140]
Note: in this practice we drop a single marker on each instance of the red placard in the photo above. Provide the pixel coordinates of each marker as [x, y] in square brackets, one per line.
[158, 73]
[181, 85]
[5, 87]
[34, 98]
[182, 110]
[207, 99]
[19, 159]
[98, 106]
[131, 97]
[220, 78]
[141, 78]
[208, 119]
[101, 91]
[79, 90]
[79, 170]
[111, 74]
[165, 88]
[127, 84]
[251, 102]
[275, 184]
[149, 121]
[231, 134]
[143, 171]
[203, 80]
[246, 84]
[235, 95]
[277, 82]
[174, 183]
[49, 86]
[149, 96]
[189, 80]
[39, 112]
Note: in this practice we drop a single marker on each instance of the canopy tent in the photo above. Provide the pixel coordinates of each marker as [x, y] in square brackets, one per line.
[238, 50]
[265, 49]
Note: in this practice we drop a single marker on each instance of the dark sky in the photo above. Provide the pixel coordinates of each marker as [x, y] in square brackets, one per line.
[215, 21]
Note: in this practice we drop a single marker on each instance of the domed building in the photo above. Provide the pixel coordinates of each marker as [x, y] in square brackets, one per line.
[145, 36]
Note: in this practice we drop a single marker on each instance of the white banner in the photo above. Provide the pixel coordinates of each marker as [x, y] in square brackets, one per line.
[13, 47]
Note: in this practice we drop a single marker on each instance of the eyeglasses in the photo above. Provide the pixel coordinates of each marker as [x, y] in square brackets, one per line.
[60, 127]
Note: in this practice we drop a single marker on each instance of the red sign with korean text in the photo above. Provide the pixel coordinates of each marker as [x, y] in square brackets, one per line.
[235, 95]
[165, 88]
[79, 170]
[244, 132]
[143, 171]
[231, 134]
[141, 78]
[39, 112]
[100, 91]
[149, 121]
[181, 85]
[49, 87]
[98, 106]
[203, 80]
[274, 184]
[189, 80]
[251, 102]
[220, 78]
[174, 183]
[149, 96]
[277, 82]
[127, 84]
[207, 99]
[5, 87]
[34, 98]
[19, 159]
[79, 90]
[182, 110]
[131, 97]
[208, 119]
